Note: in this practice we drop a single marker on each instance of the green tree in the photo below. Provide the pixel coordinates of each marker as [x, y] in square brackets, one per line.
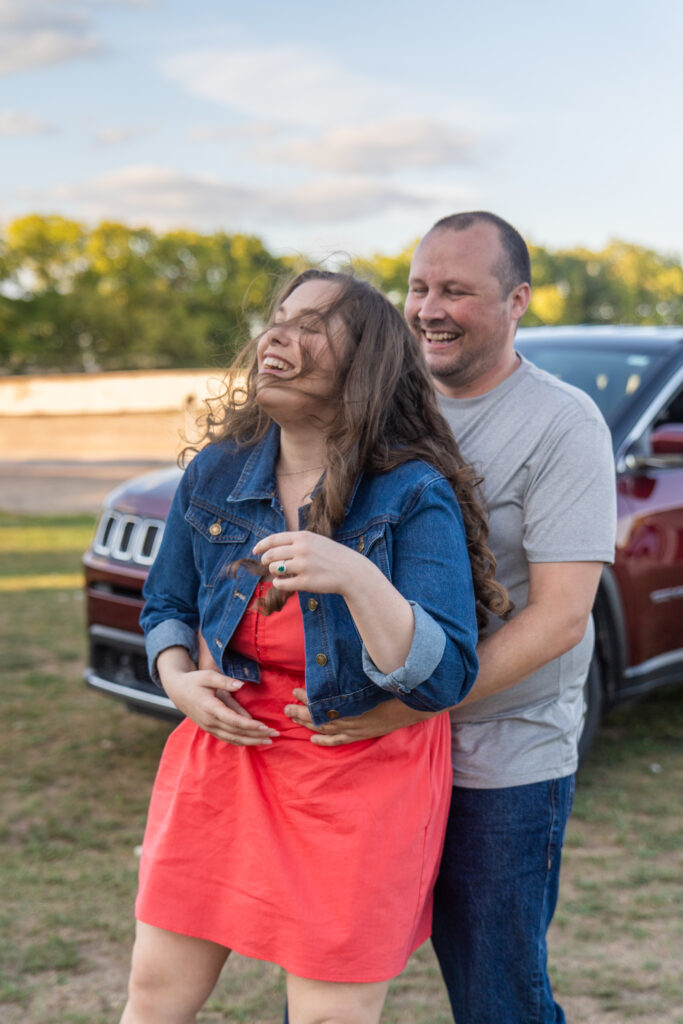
[116, 297]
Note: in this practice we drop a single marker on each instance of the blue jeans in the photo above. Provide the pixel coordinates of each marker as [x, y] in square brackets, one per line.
[495, 898]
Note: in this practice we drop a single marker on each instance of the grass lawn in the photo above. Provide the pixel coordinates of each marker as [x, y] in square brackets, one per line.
[77, 771]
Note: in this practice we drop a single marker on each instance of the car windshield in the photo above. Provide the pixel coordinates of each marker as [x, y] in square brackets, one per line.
[608, 375]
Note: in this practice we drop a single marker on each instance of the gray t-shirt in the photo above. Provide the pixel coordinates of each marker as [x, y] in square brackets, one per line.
[545, 453]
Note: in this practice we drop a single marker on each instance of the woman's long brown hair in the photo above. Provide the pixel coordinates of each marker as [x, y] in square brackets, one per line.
[387, 414]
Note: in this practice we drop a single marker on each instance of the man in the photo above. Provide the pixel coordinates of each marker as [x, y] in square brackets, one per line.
[545, 455]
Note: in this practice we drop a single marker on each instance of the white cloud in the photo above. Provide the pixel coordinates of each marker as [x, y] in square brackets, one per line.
[284, 83]
[20, 51]
[34, 34]
[165, 198]
[393, 144]
[13, 122]
[39, 33]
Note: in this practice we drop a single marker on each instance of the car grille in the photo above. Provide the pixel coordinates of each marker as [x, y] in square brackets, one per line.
[126, 667]
[128, 538]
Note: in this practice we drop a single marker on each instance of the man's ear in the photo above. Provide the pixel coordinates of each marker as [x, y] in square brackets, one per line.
[519, 299]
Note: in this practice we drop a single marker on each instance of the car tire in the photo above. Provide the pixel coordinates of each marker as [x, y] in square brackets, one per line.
[593, 701]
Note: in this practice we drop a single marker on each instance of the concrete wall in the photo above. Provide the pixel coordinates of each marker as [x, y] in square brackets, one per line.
[71, 394]
[101, 416]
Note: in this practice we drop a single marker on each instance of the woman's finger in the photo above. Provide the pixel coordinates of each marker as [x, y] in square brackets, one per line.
[279, 568]
[233, 717]
[275, 539]
[282, 553]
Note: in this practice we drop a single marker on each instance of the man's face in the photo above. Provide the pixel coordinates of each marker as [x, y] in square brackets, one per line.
[456, 308]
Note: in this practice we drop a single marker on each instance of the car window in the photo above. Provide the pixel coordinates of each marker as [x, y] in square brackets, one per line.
[672, 411]
[608, 376]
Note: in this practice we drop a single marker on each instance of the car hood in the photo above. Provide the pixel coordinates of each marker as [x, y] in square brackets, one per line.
[149, 494]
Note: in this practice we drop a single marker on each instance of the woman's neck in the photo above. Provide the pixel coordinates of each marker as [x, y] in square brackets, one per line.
[301, 451]
[302, 459]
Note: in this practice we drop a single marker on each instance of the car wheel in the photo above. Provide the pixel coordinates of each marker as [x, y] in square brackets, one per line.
[593, 698]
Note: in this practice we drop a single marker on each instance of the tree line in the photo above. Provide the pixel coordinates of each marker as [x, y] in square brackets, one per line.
[76, 298]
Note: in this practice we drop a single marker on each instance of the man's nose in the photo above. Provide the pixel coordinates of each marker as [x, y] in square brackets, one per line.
[431, 307]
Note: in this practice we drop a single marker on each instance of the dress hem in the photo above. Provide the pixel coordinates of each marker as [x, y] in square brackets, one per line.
[292, 967]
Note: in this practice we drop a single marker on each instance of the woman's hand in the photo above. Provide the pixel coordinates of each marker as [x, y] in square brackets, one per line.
[303, 560]
[206, 696]
[312, 562]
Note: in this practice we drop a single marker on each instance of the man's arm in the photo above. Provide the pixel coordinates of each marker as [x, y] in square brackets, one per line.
[561, 596]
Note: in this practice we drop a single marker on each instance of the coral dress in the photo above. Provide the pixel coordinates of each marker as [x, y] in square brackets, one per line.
[320, 859]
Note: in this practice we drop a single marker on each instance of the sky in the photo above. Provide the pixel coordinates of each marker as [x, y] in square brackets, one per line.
[348, 127]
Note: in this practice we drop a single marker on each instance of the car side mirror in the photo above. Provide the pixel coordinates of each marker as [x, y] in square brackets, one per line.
[666, 450]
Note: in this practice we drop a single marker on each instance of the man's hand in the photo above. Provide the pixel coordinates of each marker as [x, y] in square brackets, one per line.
[379, 721]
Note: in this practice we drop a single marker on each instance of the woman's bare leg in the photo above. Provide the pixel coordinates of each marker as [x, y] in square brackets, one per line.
[330, 1002]
[171, 976]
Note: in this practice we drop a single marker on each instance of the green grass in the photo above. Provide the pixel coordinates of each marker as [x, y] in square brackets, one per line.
[77, 771]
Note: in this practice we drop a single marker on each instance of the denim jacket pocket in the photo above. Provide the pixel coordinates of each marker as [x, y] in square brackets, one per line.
[217, 540]
[370, 541]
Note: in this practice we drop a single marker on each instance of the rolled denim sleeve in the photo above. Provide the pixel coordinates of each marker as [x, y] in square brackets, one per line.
[425, 654]
[170, 633]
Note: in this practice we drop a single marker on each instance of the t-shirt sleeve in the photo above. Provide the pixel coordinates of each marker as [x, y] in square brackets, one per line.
[570, 498]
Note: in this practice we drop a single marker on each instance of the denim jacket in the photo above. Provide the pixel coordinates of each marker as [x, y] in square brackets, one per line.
[407, 522]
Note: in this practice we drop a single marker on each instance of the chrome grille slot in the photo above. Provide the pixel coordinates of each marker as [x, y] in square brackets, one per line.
[128, 538]
[122, 542]
[105, 531]
[151, 532]
[148, 542]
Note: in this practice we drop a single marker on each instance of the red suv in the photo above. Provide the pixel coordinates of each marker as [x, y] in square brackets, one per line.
[634, 374]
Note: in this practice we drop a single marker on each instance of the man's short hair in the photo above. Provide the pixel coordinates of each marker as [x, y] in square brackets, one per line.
[514, 265]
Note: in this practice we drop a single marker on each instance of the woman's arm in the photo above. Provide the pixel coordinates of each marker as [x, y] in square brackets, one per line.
[170, 617]
[425, 654]
[317, 564]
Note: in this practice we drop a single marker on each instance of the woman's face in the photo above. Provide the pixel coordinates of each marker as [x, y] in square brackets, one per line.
[298, 355]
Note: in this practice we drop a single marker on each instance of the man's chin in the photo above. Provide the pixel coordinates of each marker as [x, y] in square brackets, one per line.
[445, 371]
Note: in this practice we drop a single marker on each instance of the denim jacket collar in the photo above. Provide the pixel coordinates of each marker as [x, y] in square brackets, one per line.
[257, 479]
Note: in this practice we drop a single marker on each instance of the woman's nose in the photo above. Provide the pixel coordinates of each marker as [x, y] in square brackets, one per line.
[280, 334]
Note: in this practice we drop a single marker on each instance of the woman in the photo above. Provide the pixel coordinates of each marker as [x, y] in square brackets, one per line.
[332, 478]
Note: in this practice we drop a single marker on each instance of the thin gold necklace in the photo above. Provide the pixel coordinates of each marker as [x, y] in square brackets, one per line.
[297, 472]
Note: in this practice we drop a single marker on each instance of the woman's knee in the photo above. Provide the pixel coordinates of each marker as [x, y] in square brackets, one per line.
[171, 975]
[319, 1002]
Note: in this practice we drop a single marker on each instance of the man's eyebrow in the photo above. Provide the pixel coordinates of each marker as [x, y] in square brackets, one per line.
[442, 284]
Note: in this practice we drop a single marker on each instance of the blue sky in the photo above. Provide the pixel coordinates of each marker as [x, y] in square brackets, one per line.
[352, 127]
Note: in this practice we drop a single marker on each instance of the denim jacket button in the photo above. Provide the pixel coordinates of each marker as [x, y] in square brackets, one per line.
[332, 714]
[321, 659]
[312, 604]
[215, 528]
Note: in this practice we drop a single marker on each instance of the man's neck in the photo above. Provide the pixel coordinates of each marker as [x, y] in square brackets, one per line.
[482, 384]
